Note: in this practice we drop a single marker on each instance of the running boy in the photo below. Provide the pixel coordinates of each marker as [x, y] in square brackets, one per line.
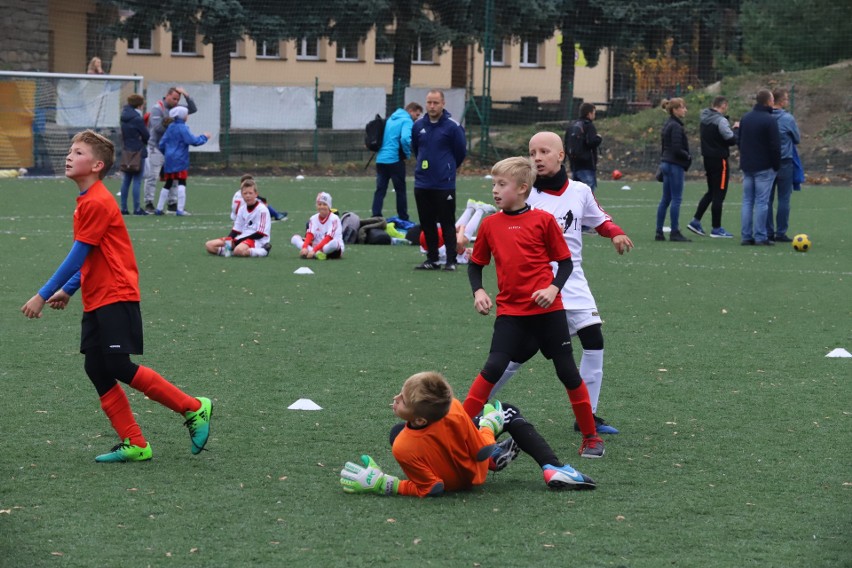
[439, 447]
[175, 145]
[250, 235]
[102, 263]
[523, 242]
[324, 237]
[574, 206]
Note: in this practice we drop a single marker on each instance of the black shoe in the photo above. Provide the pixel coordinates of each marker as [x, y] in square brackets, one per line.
[125, 212]
[765, 243]
[450, 267]
[660, 236]
[783, 239]
[747, 243]
[172, 207]
[149, 207]
[140, 212]
[677, 236]
[428, 265]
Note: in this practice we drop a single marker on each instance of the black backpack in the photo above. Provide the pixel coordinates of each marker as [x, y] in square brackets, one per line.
[374, 132]
[576, 140]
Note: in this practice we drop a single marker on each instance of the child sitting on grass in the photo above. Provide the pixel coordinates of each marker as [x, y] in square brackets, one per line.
[250, 235]
[324, 237]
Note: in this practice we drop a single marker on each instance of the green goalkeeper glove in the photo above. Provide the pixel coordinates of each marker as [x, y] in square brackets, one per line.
[368, 479]
[492, 417]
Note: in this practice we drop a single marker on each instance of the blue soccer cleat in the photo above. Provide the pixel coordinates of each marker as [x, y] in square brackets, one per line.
[566, 477]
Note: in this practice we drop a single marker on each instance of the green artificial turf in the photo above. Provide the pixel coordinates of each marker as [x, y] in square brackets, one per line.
[735, 427]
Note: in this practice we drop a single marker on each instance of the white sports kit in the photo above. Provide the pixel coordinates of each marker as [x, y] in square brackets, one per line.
[251, 222]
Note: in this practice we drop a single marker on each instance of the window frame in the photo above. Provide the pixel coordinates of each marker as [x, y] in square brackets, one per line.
[301, 49]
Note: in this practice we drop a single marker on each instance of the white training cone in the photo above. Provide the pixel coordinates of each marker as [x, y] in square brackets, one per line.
[303, 270]
[839, 352]
[625, 187]
[304, 404]
[300, 176]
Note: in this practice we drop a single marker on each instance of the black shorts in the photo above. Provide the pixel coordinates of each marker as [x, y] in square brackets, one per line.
[114, 328]
[523, 336]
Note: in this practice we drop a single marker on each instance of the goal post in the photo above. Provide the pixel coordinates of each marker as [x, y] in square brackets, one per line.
[41, 112]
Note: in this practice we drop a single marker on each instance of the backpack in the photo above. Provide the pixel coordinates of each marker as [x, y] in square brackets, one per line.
[374, 132]
[576, 140]
[350, 222]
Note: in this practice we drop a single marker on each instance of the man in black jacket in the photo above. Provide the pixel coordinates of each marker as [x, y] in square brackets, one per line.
[760, 159]
[582, 141]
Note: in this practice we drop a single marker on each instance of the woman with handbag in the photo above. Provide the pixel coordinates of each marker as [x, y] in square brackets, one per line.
[675, 159]
[134, 135]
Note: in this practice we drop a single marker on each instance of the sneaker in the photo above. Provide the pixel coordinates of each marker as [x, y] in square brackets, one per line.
[282, 216]
[677, 236]
[593, 447]
[450, 267]
[198, 423]
[566, 477]
[721, 233]
[492, 417]
[172, 207]
[504, 453]
[600, 425]
[486, 208]
[158, 212]
[125, 212]
[471, 204]
[149, 207]
[126, 452]
[695, 227]
[140, 212]
[660, 236]
[782, 238]
[428, 265]
[320, 256]
[747, 242]
[183, 213]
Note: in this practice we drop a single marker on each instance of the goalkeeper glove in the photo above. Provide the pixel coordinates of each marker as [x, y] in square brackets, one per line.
[492, 417]
[368, 479]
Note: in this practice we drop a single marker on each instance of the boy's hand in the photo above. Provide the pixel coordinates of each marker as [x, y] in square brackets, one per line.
[544, 298]
[59, 300]
[369, 479]
[482, 301]
[310, 253]
[32, 309]
[304, 253]
[622, 244]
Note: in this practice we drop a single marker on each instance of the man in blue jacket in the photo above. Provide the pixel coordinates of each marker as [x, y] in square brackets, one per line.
[439, 144]
[760, 159]
[788, 132]
[390, 161]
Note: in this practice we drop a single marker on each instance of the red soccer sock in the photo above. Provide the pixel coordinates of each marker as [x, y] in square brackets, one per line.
[155, 387]
[117, 408]
[582, 406]
[477, 396]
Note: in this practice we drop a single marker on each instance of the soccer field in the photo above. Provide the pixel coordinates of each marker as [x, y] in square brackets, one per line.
[732, 419]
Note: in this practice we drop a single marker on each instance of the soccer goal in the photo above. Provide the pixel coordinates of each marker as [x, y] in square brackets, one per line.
[41, 112]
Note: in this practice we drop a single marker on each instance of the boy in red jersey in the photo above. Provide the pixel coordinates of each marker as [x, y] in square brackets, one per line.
[103, 264]
[439, 447]
[523, 242]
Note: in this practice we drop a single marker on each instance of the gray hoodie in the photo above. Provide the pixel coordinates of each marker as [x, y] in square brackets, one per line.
[716, 134]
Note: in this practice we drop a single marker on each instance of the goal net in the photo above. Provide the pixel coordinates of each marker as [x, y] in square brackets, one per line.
[41, 112]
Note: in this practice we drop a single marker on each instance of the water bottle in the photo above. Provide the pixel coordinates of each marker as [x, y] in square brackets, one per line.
[226, 250]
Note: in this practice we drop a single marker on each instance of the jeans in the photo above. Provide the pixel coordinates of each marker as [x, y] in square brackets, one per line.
[756, 189]
[152, 172]
[125, 185]
[784, 187]
[672, 195]
[588, 177]
[395, 173]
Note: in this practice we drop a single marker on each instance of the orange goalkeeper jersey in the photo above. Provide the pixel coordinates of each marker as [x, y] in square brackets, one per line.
[442, 452]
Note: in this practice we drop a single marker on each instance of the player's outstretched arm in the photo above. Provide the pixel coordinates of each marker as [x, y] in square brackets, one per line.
[622, 244]
[369, 479]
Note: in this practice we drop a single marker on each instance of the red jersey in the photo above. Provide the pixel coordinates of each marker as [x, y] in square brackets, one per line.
[109, 273]
[442, 452]
[523, 246]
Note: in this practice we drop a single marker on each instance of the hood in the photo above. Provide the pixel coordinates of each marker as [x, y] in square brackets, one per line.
[399, 114]
[710, 116]
[129, 113]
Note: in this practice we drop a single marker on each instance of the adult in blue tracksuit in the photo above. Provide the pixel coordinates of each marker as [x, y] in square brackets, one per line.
[760, 159]
[439, 144]
[788, 133]
[390, 161]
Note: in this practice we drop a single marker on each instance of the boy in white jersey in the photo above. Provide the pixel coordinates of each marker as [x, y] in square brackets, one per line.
[250, 234]
[574, 205]
[324, 237]
[237, 201]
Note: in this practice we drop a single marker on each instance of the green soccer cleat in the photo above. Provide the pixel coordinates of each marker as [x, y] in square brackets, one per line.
[320, 256]
[126, 452]
[198, 423]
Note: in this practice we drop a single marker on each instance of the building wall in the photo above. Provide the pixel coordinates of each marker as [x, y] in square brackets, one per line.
[25, 37]
[67, 21]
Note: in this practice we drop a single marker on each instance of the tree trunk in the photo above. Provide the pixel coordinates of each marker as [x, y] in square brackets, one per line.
[566, 79]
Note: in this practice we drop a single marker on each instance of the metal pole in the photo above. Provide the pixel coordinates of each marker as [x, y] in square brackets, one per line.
[488, 46]
[316, 120]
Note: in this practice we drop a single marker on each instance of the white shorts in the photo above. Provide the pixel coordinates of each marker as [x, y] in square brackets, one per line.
[578, 319]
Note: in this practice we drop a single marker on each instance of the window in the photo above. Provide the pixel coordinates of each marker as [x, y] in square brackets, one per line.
[423, 53]
[384, 49]
[183, 43]
[141, 43]
[239, 49]
[347, 51]
[308, 48]
[268, 50]
[497, 57]
[529, 54]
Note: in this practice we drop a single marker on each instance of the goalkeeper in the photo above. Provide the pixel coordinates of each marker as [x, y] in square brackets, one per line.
[439, 447]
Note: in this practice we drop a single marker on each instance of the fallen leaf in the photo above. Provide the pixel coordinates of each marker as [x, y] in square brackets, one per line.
[168, 554]
[663, 370]
[620, 518]
[282, 478]
[57, 554]
[417, 540]
[391, 520]
[193, 550]
[549, 545]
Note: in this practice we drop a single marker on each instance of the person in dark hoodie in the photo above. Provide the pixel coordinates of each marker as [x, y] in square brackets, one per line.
[134, 136]
[582, 140]
[760, 160]
[716, 139]
[439, 144]
[675, 159]
[390, 161]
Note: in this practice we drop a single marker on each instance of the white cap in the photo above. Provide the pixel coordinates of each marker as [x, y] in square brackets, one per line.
[323, 197]
[180, 112]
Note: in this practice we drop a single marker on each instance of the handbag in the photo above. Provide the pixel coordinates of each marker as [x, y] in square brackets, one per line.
[131, 161]
[659, 175]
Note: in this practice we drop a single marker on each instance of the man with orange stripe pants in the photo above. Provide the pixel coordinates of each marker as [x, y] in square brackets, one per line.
[716, 139]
